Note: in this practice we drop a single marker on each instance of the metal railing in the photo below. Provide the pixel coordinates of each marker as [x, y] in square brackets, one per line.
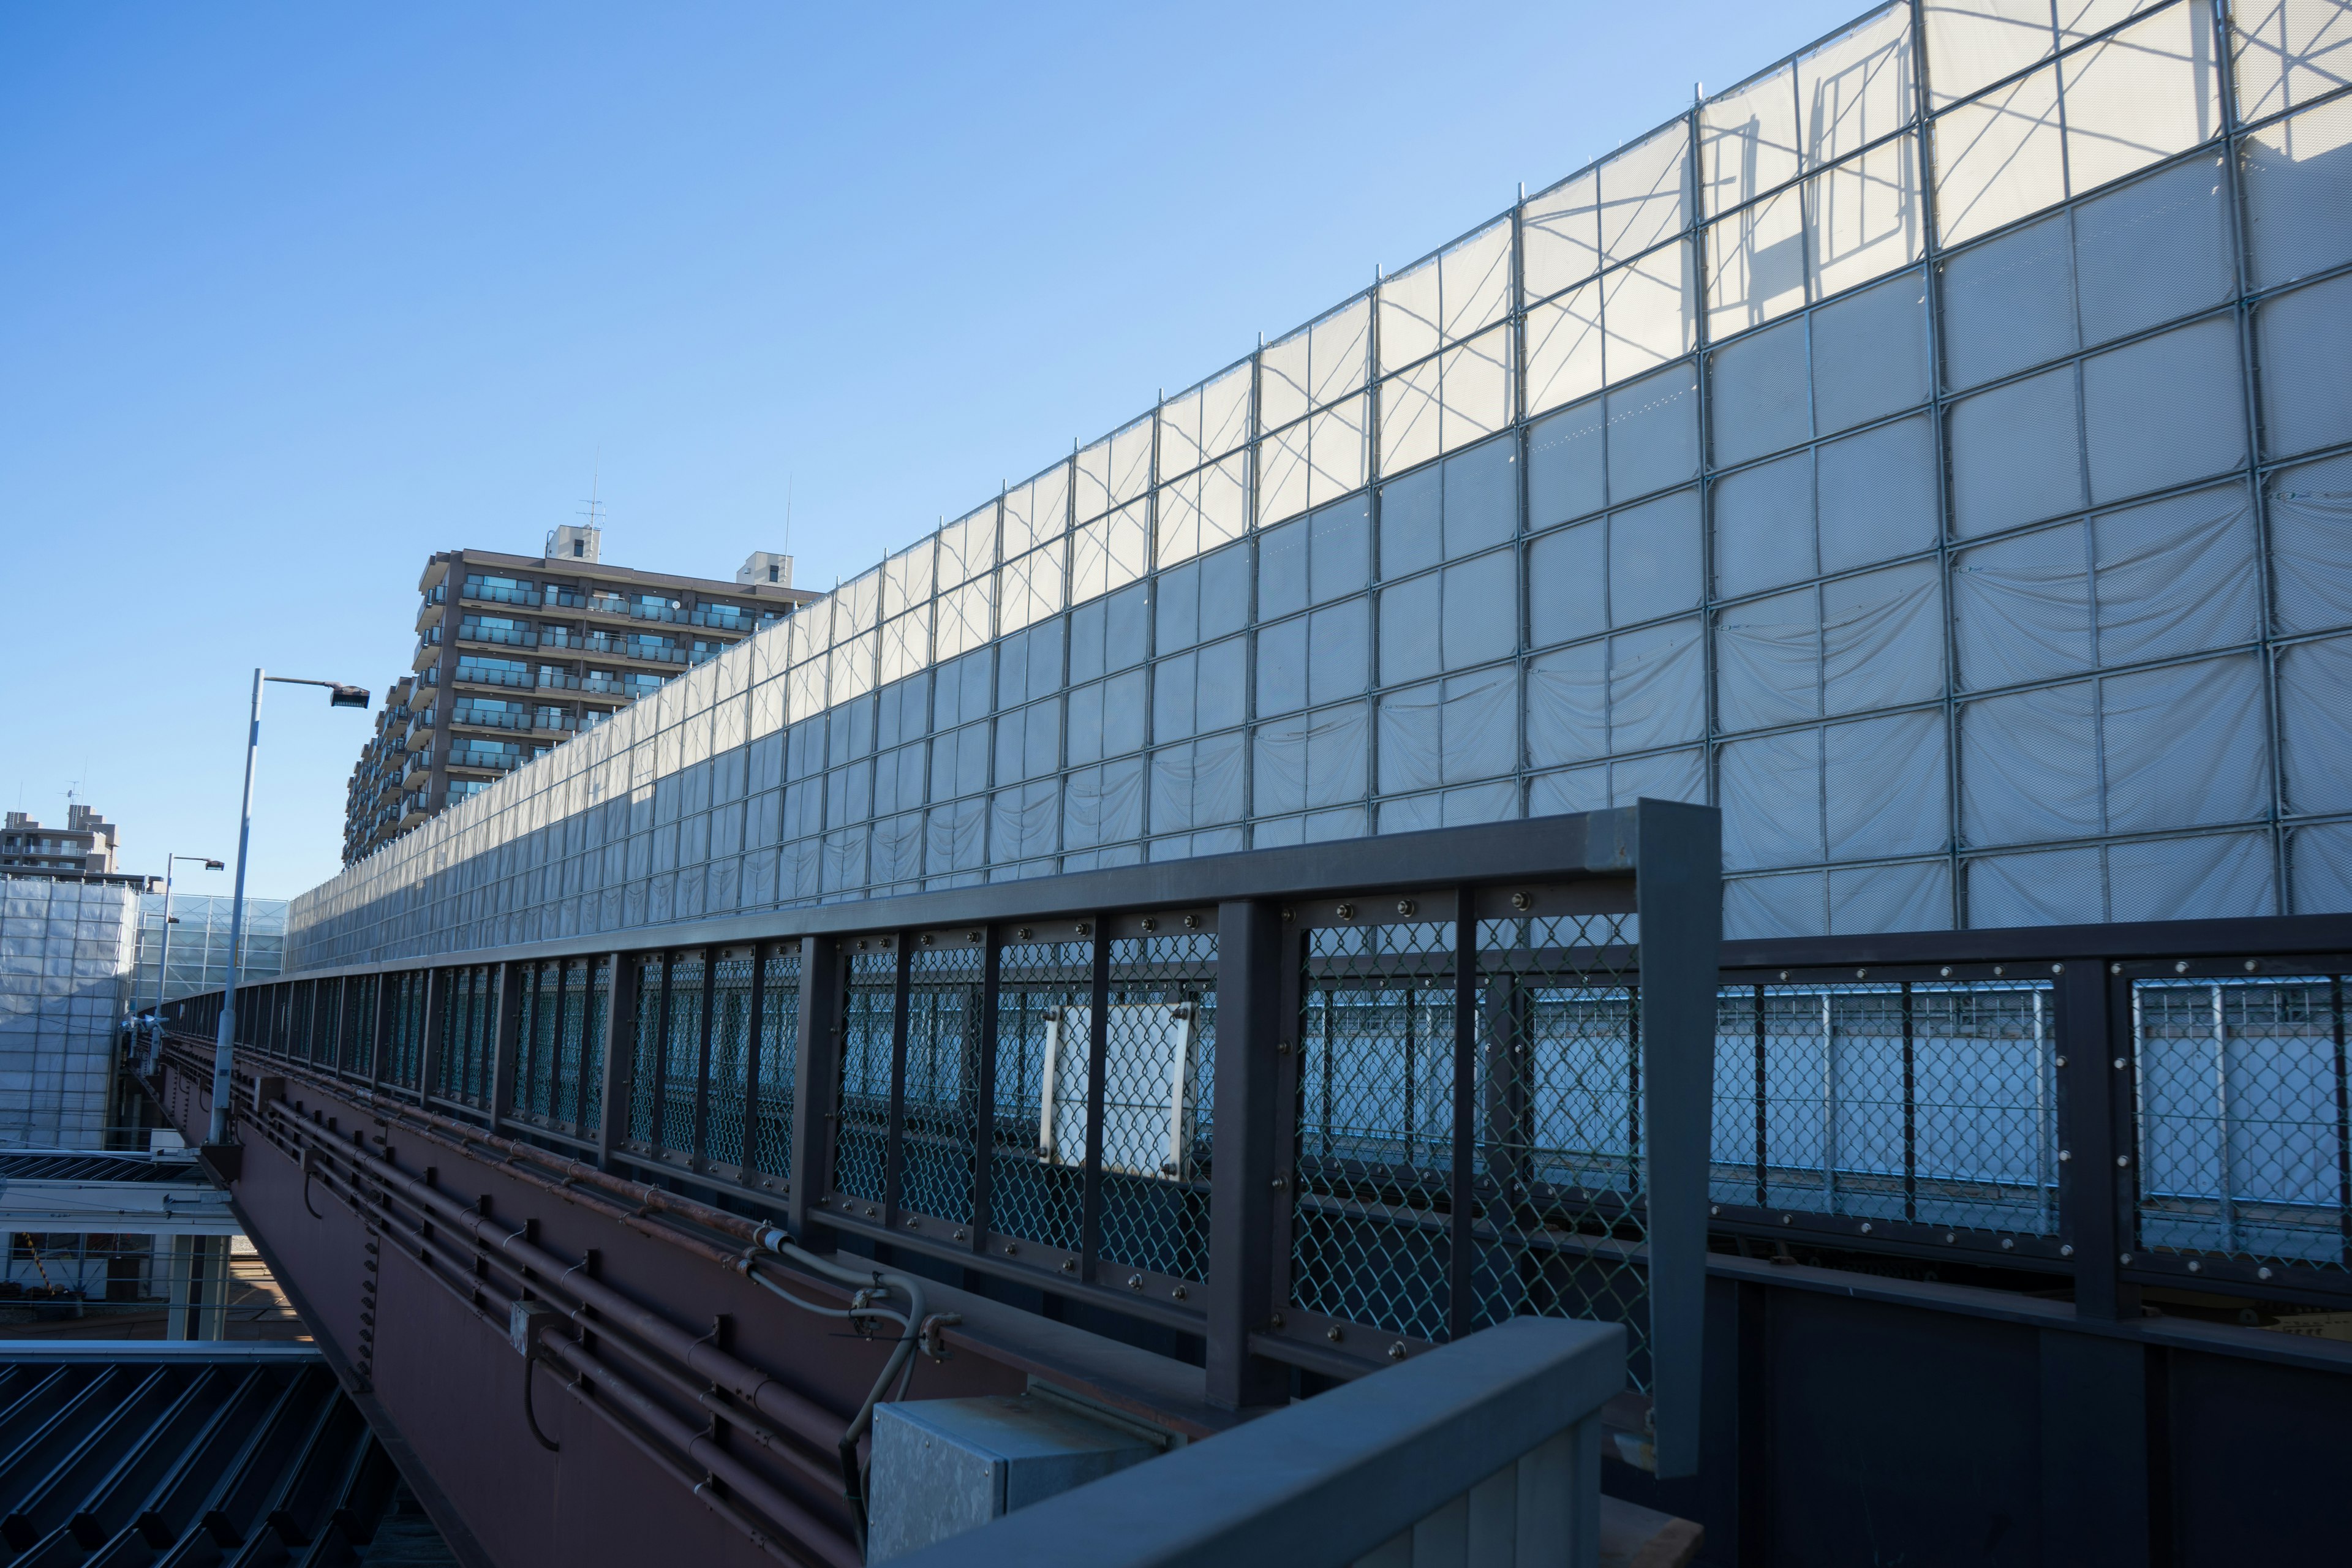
[487, 592]
[489, 718]
[482, 675]
[1127, 1085]
[1495, 1441]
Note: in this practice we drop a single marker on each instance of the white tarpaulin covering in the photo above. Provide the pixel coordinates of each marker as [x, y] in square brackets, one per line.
[1991, 561]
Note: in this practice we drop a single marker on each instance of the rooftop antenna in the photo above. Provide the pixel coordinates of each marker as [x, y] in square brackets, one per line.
[595, 512]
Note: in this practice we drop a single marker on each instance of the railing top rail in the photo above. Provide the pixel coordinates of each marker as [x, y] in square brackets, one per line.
[2254, 937]
[1331, 1479]
[1594, 846]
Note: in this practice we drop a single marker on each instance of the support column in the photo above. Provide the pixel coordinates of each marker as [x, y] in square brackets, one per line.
[1253, 1040]
[618, 1047]
[816, 1078]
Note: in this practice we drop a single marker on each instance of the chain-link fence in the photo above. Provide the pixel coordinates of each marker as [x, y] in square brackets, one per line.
[1037, 1148]
[2245, 1128]
[1922, 1102]
[1159, 1060]
[1370, 1235]
[861, 1149]
[938, 1147]
[1559, 1223]
[776, 1064]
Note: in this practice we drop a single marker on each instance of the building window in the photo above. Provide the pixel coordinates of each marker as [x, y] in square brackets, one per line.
[772, 573]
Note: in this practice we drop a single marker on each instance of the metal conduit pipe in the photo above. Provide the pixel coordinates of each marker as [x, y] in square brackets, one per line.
[516, 1283]
[795, 1411]
[584, 1362]
[835, 1550]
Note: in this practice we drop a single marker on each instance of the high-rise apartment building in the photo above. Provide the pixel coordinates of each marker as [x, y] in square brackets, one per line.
[83, 849]
[514, 653]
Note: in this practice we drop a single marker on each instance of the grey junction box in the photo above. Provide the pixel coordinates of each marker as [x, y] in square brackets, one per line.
[942, 1466]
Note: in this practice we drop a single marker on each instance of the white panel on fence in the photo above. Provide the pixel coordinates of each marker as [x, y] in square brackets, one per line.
[2178, 575]
[2288, 52]
[2056, 887]
[1148, 1109]
[2320, 866]
[2184, 745]
[1916, 896]
[1760, 396]
[1764, 527]
[2029, 766]
[1767, 659]
[2311, 546]
[1792, 904]
[1770, 792]
[2302, 341]
[2298, 193]
[2020, 607]
[1972, 42]
[1885, 786]
[1870, 354]
[2148, 91]
[2219, 877]
[1998, 158]
[2315, 725]
[2165, 410]
[1655, 554]
[1653, 432]
[2009, 303]
[2153, 250]
[1876, 495]
[2017, 454]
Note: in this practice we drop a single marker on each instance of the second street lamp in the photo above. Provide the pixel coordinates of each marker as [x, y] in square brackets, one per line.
[162, 964]
[224, 1041]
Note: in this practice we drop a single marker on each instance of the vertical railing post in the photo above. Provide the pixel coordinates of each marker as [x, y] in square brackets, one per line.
[506, 1040]
[387, 996]
[428, 1030]
[754, 1025]
[1910, 1110]
[1256, 1040]
[620, 1032]
[1090, 1207]
[1462, 1318]
[1679, 893]
[983, 1113]
[701, 1135]
[2096, 1185]
[894, 1133]
[815, 1075]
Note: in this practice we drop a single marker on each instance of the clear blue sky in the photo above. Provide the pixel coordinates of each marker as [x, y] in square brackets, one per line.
[292, 296]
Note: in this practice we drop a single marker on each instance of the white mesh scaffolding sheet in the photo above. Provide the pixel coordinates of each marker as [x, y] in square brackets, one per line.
[1932, 450]
[64, 968]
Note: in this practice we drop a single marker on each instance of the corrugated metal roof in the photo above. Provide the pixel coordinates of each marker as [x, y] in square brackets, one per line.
[186, 1453]
[82, 1166]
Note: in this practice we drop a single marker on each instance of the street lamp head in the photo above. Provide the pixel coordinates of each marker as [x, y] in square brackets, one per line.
[216, 866]
[348, 697]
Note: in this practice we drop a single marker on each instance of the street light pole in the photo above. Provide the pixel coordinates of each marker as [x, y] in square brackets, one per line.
[164, 963]
[224, 1041]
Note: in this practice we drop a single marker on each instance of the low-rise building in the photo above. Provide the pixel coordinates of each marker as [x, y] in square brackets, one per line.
[82, 850]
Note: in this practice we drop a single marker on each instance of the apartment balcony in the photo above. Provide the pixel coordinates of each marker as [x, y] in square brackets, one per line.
[420, 768]
[486, 762]
[671, 614]
[554, 722]
[429, 648]
[503, 637]
[489, 718]
[725, 618]
[558, 680]
[602, 686]
[478, 675]
[489, 594]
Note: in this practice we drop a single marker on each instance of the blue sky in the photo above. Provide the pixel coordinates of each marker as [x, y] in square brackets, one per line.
[291, 297]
